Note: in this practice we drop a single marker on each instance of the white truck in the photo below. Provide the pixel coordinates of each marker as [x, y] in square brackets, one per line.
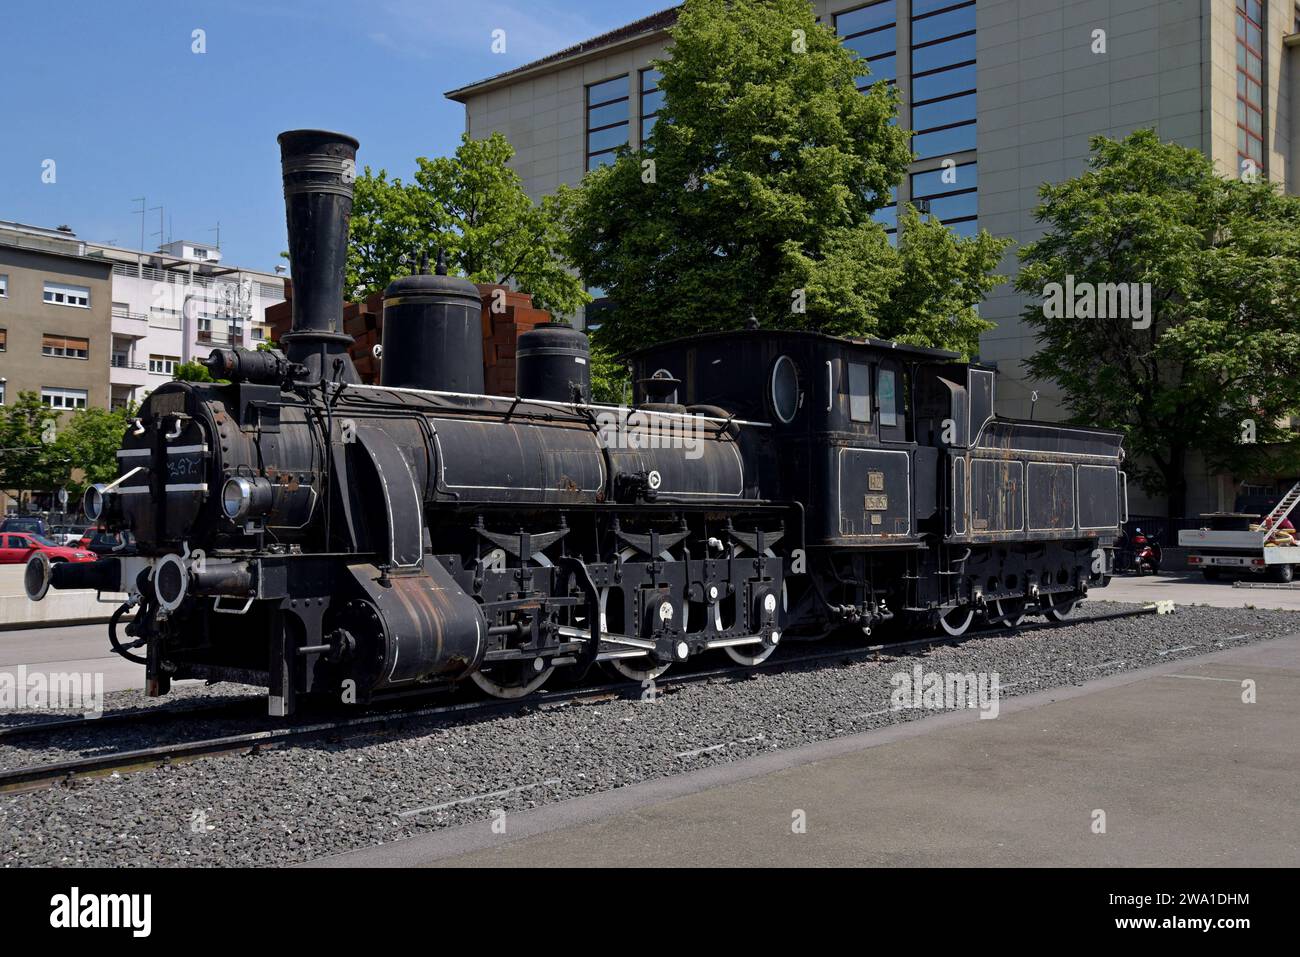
[1262, 548]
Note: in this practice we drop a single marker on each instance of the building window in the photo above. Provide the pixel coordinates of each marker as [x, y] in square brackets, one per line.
[652, 99]
[887, 216]
[607, 120]
[2, 393]
[65, 347]
[943, 77]
[160, 318]
[163, 365]
[62, 295]
[4, 287]
[4, 340]
[1250, 89]
[949, 194]
[871, 33]
[63, 398]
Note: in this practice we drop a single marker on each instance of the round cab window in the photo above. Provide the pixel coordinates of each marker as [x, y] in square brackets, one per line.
[785, 389]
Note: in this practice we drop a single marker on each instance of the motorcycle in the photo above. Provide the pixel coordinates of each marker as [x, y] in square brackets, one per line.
[1146, 553]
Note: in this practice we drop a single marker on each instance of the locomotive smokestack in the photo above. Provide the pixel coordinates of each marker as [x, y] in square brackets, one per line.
[319, 168]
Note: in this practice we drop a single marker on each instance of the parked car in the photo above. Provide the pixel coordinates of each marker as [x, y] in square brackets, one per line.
[103, 542]
[17, 547]
[67, 534]
[32, 524]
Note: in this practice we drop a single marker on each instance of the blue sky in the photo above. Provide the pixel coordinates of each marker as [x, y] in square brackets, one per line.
[111, 91]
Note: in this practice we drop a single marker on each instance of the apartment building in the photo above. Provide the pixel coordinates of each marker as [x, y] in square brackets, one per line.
[176, 305]
[1009, 90]
[159, 309]
[54, 320]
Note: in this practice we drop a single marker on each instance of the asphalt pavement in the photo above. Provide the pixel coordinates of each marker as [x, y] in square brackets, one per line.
[1168, 766]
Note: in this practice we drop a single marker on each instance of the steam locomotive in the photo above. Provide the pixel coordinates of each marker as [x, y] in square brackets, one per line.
[301, 531]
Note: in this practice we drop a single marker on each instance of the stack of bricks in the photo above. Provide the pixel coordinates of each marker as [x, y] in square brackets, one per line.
[361, 320]
[505, 315]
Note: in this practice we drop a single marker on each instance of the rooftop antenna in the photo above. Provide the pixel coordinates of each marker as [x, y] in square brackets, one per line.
[217, 229]
[159, 234]
[143, 205]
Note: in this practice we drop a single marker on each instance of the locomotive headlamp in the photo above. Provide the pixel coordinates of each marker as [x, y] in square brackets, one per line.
[244, 497]
[93, 503]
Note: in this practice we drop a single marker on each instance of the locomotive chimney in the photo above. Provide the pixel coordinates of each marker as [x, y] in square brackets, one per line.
[319, 168]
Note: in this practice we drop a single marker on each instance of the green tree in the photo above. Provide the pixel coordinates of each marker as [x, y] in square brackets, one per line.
[43, 451]
[89, 440]
[610, 380]
[756, 191]
[471, 205]
[191, 372]
[28, 458]
[1214, 363]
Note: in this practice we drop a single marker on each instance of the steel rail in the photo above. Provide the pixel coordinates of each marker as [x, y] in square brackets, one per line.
[52, 773]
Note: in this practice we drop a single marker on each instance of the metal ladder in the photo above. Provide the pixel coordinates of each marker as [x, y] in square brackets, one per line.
[1281, 510]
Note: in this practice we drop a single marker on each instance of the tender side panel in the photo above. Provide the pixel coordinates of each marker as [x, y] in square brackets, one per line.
[1050, 490]
[997, 496]
[1099, 497]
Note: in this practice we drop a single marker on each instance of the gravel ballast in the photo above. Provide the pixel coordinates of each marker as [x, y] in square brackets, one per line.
[323, 797]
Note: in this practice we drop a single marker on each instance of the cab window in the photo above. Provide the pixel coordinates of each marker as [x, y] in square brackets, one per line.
[887, 397]
[785, 389]
[859, 392]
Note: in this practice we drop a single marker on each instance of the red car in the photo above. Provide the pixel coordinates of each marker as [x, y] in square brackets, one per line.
[17, 547]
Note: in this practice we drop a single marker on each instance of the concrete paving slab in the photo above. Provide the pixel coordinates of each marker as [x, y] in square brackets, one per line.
[1189, 588]
[1186, 773]
[74, 648]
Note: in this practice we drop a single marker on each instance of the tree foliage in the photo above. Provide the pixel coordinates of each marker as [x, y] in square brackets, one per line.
[42, 451]
[755, 194]
[610, 380]
[192, 372]
[1218, 367]
[471, 205]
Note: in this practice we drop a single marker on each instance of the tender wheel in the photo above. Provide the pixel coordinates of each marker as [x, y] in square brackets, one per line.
[957, 621]
[1011, 611]
[1058, 606]
[512, 679]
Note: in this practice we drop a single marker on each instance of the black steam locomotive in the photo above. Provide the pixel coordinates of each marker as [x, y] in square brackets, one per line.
[301, 531]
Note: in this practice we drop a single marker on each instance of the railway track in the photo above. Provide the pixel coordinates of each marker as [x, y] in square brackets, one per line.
[51, 774]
